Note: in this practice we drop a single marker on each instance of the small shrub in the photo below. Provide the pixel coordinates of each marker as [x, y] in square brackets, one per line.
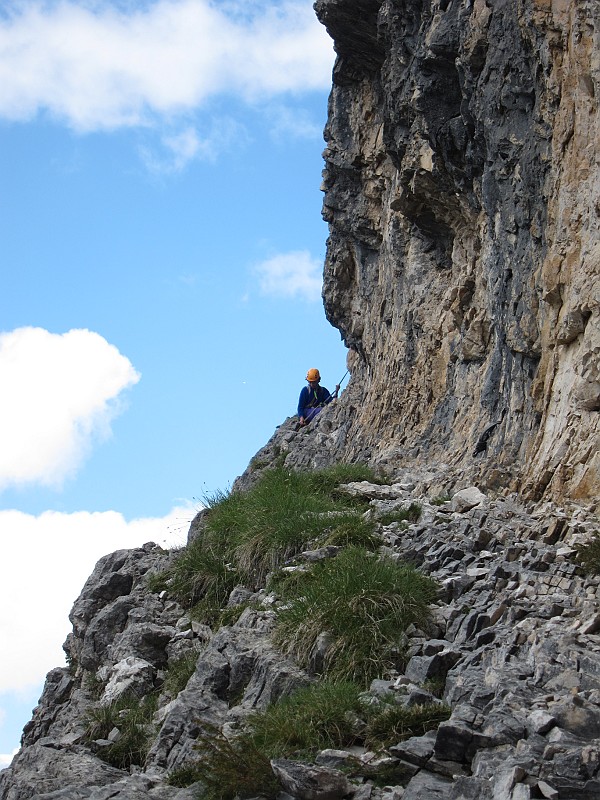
[72, 663]
[132, 717]
[230, 768]
[392, 724]
[185, 775]
[179, 671]
[588, 554]
[410, 514]
[92, 684]
[365, 603]
[440, 499]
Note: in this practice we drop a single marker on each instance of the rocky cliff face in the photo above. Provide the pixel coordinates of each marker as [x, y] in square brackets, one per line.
[461, 186]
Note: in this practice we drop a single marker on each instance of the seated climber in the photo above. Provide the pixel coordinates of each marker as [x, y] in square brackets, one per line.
[313, 397]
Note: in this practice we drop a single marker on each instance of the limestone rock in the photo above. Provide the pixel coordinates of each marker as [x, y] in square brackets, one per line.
[38, 769]
[132, 676]
[306, 782]
[466, 499]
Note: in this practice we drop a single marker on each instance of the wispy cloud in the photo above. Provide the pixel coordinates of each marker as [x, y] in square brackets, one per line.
[104, 66]
[295, 274]
[293, 123]
[177, 148]
[60, 394]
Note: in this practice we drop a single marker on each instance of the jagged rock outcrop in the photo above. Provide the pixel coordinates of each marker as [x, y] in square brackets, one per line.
[461, 188]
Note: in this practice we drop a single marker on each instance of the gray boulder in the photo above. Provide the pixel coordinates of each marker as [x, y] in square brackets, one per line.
[310, 782]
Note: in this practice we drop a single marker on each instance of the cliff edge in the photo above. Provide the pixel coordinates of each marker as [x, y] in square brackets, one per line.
[461, 189]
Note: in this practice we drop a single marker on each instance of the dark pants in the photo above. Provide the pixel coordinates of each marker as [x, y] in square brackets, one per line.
[311, 413]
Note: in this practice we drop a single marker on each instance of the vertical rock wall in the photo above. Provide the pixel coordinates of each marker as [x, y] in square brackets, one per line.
[461, 188]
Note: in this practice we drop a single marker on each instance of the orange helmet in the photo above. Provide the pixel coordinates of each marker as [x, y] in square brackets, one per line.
[313, 375]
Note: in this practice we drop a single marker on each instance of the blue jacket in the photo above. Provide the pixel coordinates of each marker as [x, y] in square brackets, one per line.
[310, 398]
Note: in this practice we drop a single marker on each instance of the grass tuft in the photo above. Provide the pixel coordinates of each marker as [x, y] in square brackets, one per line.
[393, 723]
[311, 719]
[132, 717]
[364, 603]
[248, 535]
[179, 671]
[185, 775]
[323, 715]
[410, 514]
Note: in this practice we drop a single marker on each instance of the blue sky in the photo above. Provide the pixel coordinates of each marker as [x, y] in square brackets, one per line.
[162, 250]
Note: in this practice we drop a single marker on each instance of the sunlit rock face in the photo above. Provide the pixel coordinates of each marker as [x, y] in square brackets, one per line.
[461, 187]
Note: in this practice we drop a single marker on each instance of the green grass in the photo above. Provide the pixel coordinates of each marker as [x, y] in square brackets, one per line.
[93, 685]
[248, 535]
[230, 768]
[323, 715]
[311, 719]
[364, 603]
[588, 555]
[353, 531]
[440, 499]
[185, 775]
[394, 723]
[133, 718]
[410, 514]
[179, 671]
[203, 571]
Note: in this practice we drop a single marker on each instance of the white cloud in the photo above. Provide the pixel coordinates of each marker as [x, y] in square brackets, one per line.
[179, 147]
[60, 393]
[295, 274]
[293, 123]
[46, 559]
[100, 67]
[6, 758]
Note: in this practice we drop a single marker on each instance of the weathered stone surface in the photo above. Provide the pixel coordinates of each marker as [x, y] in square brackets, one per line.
[307, 782]
[422, 668]
[468, 498]
[426, 784]
[132, 676]
[540, 722]
[416, 750]
[38, 770]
